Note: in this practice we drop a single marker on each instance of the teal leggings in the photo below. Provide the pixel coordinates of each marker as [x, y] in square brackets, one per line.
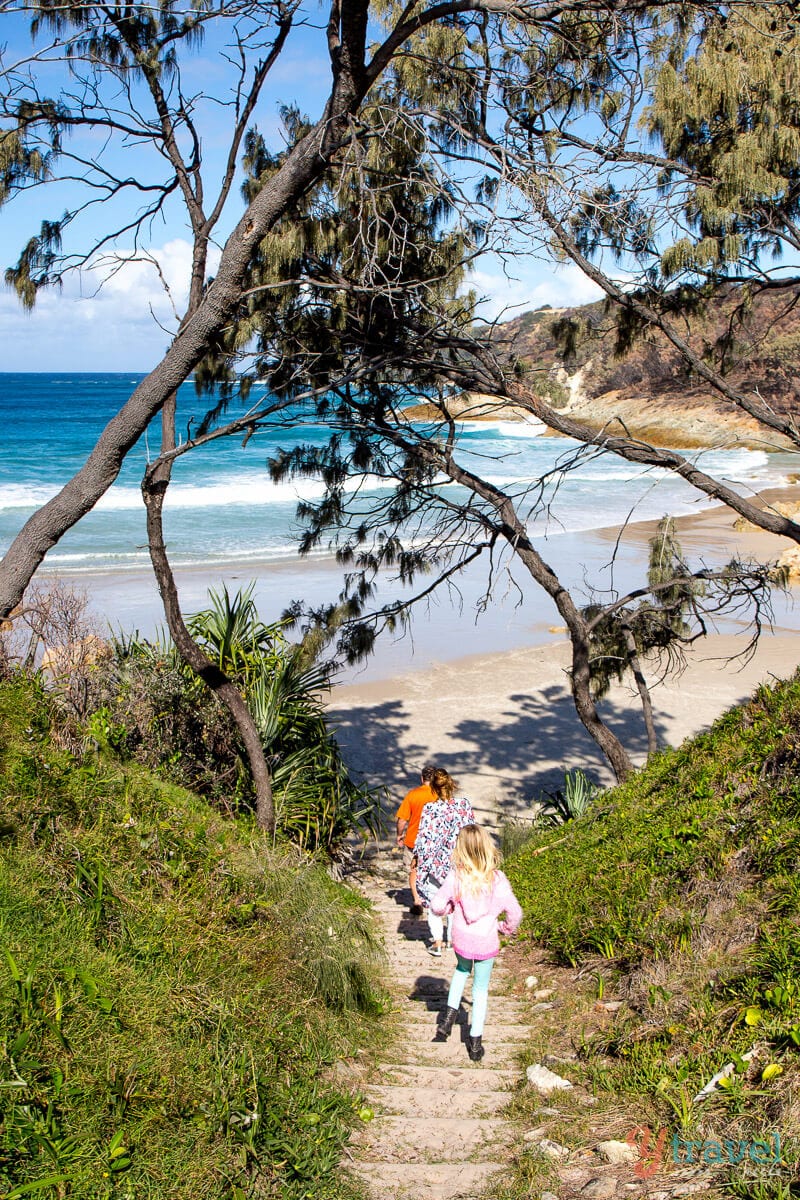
[480, 989]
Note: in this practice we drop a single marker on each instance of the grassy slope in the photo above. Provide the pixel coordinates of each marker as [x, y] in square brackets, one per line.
[172, 991]
[682, 891]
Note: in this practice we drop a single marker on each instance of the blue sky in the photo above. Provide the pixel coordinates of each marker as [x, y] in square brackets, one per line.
[105, 319]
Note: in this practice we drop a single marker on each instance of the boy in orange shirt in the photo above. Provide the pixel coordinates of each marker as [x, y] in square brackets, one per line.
[408, 816]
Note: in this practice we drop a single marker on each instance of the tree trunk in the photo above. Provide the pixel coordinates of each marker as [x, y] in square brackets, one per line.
[513, 530]
[154, 487]
[580, 679]
[644, 691]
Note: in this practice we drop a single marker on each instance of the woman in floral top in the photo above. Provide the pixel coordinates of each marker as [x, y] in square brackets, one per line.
[438, 829]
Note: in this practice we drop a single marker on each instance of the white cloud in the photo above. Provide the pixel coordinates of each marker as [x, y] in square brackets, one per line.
[534, 284]
[117, 315]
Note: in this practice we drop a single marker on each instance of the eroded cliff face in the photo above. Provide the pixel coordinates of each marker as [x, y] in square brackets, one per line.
[574, 359]
[685, 420]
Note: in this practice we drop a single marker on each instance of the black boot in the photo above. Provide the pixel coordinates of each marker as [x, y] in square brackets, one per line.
[445, 1023]
[474, 1048]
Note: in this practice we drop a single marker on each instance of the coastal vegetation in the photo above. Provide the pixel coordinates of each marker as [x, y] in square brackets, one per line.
[677, 893]
[138, 701]
[152, 707]
[175, 988]
[342, 284]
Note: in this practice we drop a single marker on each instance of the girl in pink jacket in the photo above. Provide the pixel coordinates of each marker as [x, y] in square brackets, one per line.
[476, 893]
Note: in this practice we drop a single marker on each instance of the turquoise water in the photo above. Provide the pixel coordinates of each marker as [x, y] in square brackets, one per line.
[223, 508]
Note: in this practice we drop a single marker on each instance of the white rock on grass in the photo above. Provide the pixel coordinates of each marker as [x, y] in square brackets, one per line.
[531, 981]
[552, 1149]
[617, 1152]
[544, 1080]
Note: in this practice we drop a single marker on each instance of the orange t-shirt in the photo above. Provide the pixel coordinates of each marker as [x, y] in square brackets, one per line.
[411, 810]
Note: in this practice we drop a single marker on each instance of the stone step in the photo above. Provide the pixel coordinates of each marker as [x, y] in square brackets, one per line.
[424, 1103]
[434, 1112]
[447, 1077]
[414, 1035]
[430, 1053]
[424, 1139]
[426, 1181]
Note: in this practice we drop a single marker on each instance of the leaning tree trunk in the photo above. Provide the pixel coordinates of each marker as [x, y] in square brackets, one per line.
[154, 488]
[581, 679]
[510, 527]
[644, 691]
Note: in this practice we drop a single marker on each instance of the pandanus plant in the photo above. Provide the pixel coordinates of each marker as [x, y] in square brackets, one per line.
[316, 801]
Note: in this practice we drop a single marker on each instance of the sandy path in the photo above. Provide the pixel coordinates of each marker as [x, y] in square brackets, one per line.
[437, 1132]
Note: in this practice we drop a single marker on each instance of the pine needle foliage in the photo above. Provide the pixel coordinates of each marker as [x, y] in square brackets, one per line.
[657, 624]
[731, 113]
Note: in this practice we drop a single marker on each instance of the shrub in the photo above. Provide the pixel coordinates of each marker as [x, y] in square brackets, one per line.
[157, 711]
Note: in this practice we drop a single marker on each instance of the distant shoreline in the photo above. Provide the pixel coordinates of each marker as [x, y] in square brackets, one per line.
[660, 420]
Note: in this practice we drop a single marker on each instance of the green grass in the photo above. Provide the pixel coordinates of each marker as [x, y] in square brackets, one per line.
[173, 990]
[682, 890]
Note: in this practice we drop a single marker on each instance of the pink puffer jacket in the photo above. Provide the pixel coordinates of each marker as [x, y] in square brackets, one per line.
[475, 925]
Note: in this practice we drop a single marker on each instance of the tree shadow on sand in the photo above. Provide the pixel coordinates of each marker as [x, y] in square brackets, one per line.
[513, 755]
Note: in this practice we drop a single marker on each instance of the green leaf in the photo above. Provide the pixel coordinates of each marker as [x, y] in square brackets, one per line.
[36, 1185]
[19, 1043]
[752, 1015]
[89, 986]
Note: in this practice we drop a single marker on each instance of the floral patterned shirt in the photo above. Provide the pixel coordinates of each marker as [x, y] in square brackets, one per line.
[436, 840]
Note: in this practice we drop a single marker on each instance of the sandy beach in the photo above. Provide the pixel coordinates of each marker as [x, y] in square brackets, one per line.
[504, 723]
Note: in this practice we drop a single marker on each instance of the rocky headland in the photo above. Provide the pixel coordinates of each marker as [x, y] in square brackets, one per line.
[578, 361]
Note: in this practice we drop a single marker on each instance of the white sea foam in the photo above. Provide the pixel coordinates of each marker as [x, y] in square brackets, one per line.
[532, 428]
[244, 490]
[90, 562]
[14, 495]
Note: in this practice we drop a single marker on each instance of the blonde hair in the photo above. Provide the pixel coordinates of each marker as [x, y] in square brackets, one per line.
[475, 859]
[443, 784]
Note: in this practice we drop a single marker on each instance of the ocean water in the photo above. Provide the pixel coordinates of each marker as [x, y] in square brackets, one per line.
[222, 507]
